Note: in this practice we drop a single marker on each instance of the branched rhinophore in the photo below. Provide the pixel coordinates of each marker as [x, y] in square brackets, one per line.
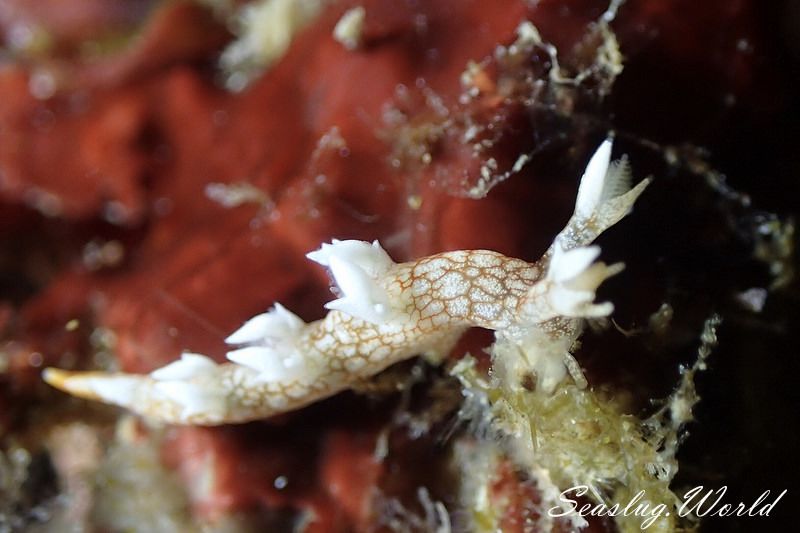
[388, 312]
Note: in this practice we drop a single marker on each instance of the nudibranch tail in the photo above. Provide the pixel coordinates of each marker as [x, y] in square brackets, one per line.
[177, 393]
[117, 389]
[386, 312]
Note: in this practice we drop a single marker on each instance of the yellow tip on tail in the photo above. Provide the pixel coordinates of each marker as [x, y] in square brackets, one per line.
[75, 383]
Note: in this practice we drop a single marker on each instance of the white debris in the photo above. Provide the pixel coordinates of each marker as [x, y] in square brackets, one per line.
[348, 29]
[266, 29]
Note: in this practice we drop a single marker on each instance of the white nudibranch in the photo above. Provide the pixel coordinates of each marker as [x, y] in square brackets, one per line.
[387, 312]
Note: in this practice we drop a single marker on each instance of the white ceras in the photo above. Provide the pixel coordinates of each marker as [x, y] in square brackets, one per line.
[388, 312]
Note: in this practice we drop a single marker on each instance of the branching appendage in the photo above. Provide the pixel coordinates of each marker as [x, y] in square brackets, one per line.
[388, 312]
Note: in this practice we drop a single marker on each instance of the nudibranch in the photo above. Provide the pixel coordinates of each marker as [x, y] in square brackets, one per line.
[387, 312]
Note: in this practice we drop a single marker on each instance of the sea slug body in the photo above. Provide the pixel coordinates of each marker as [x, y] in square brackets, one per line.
[388, 312]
